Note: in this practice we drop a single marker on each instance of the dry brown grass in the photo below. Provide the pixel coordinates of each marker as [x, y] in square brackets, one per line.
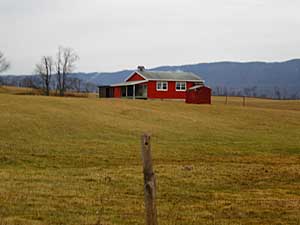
[77, 161]
[19, 90]
[32, 91]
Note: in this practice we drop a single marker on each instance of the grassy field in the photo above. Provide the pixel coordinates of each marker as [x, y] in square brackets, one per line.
[32, 91]
[77, 161]
[18, 90]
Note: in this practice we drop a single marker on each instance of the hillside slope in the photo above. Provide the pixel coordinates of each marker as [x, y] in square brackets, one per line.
[77, 161]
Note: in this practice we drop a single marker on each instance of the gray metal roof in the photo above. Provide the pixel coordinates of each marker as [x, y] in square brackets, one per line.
[170, 75]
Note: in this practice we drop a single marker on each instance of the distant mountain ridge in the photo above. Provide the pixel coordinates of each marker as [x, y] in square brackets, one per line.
[244, 74]
[266, 79]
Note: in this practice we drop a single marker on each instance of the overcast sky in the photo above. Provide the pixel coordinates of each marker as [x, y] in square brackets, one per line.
[111, 35]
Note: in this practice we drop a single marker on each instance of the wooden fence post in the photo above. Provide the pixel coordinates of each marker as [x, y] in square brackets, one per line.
[244, 100]
[149, 181]
[226, 100]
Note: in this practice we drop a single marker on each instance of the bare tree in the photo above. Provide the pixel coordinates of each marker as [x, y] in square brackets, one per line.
[247, 91]
[65, 64]
[44, 70]
[232, 92]
[4, 65]
[218, 90]
[225, 93]
[277, 92]
[74, 84]
[58, 71]
[253, 90]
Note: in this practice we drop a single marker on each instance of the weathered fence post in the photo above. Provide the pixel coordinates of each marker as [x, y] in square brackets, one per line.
[226, 100]
[244, 100]
[149, 181]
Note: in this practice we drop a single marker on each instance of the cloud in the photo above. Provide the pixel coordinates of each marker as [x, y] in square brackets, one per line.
[117, 34]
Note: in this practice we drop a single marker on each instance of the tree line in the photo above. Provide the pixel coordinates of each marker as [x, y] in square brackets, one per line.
[61, 66]
[274, 92]
[53, 74]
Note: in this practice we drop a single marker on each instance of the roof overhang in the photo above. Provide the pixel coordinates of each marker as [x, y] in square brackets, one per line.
[129, 83]
[196, 87]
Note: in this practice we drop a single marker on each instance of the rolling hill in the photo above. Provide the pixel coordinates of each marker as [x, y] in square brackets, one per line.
[77, 161]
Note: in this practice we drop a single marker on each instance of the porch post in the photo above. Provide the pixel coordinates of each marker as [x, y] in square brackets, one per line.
[126, 91]
[133, 91]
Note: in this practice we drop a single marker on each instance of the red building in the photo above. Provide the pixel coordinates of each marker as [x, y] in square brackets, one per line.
[144, 84]
[198, 94]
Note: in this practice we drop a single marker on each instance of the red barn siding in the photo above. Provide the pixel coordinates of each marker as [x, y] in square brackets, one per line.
[135, 77]
[200, 96]
[117, 92]
[170, 93]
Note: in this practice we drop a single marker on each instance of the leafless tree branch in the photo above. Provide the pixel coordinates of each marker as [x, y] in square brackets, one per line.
[4, 64]
[65, 64]
[44, 70]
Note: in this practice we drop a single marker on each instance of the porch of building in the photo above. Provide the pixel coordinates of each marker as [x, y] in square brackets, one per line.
[133, 89]
[130, 90]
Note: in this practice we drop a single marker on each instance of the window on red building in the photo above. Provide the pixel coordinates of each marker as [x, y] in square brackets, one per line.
[180, 86]
[161, 85]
